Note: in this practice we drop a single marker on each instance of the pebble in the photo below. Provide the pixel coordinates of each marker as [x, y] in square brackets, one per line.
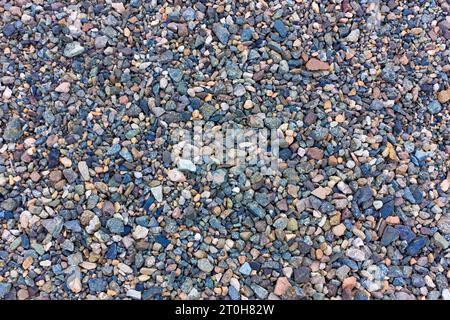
[434, 107]
[157, 193]
[204, 265]
[314, 64]
[84, 170]
[221, 33]
[73, 49]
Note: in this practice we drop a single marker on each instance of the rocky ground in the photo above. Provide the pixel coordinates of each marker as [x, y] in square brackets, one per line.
[93, 205]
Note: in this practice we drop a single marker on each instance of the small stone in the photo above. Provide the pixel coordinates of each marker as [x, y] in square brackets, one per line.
[27, 263]
[115, 225]
[390, 234]
[73, 49]
[4, 289]
[248, 104]
[157, 193]
[176, 175]
[339, 230]
[279, 27]
[440, 240]
[282, 286]
[434, 107]
[205, 265]
[13, 130]
[302, 275]
[321, 192]
[63, 87]
[444, 96]
[94, 225]
[140, 232]
[349, 283]
[377, 204]
[444, 224]
[245, 269]
[221, 33]
[186, 165]
[73, 281]
[314, 153]
[316, 65]
[9, 29]
[175, 74]
[387, 209]
[416, 246]
[353, 36]
[66, 162]
[84, 170]
[100, 42]
[134, 294]
[119, 7]
[355, 254]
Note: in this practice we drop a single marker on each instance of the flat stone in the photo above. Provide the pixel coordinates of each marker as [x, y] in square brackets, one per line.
[314, 64]
[245, 269]
[176, 175]
[390, 234]
[84, 170]
[157, 193]
[63, 87]
[321, 192]
[186, 165]
[73, 49]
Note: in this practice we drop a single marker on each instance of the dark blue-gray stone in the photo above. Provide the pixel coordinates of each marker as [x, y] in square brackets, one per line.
[13, 130]
[9, 29]
[73, 225]
[112, 251]
[233, 293]
[246, 34]
[256, 210]
[416, 245]
[221, 33]
[387, 209]
[279, 27]
[363, 194]
[97, 285]
[405, 233]
[434, 107]
[407, 194]
[390, 234]
[162, 240]
[175, 74]
[151, 293]
[115, 225]
[302, 274]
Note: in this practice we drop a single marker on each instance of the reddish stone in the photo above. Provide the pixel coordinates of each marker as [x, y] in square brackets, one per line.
[315, 153]
[282, 286]
[316, 65]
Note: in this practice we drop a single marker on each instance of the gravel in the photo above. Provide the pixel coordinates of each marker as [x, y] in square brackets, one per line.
[96, 201]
